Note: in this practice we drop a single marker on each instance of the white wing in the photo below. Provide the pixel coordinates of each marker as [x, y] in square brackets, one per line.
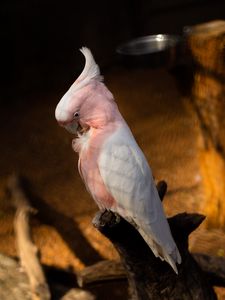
[128, 178]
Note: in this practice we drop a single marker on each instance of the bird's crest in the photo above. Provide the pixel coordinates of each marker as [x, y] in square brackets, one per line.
[91, 70]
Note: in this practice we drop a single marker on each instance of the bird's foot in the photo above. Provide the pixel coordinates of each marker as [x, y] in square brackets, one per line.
[105, 218]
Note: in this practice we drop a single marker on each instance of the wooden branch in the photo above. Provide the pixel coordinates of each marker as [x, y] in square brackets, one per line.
[106, 270]
[148, 276]
[213, 267]
[27, 251]
[109, 270]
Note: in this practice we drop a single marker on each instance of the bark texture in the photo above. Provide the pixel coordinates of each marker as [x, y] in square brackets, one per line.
[148, 276]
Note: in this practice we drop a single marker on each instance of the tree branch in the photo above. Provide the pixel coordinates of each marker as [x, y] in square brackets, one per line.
[27, 251]
[148, 276]
[109, 270]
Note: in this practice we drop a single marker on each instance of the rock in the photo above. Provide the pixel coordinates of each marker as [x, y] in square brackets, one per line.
[14, 284]
[78, 294]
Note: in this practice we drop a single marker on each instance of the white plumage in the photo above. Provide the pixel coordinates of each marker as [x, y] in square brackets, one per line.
[113, 167]
[128, 178]
[91, 71]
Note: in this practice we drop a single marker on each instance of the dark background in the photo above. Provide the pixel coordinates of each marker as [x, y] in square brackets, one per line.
[40, 39]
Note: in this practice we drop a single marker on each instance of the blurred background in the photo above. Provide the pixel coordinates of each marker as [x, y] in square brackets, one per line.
[40, 60]
[40, 39]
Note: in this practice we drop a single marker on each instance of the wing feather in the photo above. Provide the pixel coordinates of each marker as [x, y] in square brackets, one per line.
[127, 177]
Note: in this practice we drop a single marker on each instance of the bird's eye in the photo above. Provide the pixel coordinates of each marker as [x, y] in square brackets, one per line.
[76, 114]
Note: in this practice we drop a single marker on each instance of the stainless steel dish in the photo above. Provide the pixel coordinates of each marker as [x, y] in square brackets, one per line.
[152, 50]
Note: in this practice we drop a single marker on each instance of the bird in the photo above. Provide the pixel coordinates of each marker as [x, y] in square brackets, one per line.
[111, 164]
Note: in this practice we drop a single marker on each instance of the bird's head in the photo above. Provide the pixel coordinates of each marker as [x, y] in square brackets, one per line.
[88, 102]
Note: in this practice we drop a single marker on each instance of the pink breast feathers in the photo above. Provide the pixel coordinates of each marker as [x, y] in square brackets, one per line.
[89, 171]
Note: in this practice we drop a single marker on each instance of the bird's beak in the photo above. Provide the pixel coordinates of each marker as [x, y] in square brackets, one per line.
[71, 127]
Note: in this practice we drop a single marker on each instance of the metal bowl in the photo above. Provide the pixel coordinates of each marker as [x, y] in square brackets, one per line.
[151, 50]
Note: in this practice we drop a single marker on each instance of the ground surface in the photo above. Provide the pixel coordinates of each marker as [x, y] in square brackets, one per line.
[33, 145]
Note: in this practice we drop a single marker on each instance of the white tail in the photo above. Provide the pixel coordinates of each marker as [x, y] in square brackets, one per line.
[161, 252]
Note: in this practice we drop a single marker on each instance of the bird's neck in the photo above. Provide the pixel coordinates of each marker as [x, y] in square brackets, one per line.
[81, 142]
[94, 138]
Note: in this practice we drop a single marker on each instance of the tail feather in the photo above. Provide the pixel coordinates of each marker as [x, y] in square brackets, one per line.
[171, 257]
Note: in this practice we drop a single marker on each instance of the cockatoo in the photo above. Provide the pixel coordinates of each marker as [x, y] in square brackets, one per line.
[111, 164]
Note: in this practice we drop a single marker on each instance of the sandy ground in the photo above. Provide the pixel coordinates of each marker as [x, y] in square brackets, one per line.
[34, 145]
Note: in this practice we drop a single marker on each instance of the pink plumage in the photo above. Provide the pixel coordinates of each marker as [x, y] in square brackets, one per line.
[111, 164]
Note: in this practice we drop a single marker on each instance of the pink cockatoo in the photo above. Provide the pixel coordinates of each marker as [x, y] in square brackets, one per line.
[111, 164]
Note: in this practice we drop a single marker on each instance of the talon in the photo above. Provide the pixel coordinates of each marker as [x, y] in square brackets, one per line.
[118, 218]
[96, 220]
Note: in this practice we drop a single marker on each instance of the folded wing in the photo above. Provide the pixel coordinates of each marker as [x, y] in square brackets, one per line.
[127, 177]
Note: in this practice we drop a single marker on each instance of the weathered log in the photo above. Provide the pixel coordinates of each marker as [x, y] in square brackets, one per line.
[148, 276]
[213, 267]
[103, 271]
[27, 251]
[111, 270]
[206, 43]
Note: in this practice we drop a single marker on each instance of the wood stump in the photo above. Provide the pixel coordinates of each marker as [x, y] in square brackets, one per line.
[206, 43]
[148, 276]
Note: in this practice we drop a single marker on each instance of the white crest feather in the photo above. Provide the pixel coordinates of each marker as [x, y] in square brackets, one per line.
[91, 70]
